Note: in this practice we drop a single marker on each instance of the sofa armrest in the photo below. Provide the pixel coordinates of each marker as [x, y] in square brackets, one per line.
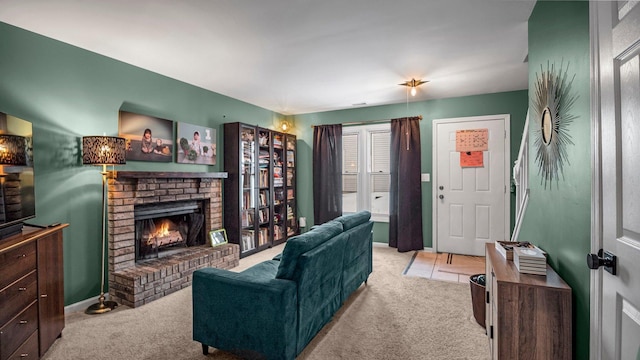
[245, 314]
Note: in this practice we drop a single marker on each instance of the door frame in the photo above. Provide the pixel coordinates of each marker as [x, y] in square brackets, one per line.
[506, 118]
[595, 291]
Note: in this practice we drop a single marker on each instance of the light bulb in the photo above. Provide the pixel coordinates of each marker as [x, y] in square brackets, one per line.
[413, 91]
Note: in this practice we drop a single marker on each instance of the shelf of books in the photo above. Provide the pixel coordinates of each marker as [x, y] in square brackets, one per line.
[261, 167]
[241, 217]
[290, 184]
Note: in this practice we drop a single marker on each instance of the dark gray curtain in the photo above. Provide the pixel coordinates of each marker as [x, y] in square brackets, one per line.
[405, 200]
[327, 172]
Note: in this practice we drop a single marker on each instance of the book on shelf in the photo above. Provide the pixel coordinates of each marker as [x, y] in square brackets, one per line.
[247, 218]
[248, 240]
[291, 162]
[277, 141]
[277, 232]
[290, 195]
[247, 202]
[264, 215]
[264, 197]
[291, 145]
[264, 177]
[263, 236]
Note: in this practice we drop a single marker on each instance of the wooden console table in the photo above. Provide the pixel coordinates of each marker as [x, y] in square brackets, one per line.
[528, 316]
[31, 292]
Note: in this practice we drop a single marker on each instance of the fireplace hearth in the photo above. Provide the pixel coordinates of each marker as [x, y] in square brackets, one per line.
[158, 226]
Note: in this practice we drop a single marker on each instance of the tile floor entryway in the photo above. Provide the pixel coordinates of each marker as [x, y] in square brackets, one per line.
[445, 266]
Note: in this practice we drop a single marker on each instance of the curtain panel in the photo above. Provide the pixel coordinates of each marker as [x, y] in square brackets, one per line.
[405, 198]
[327, 172]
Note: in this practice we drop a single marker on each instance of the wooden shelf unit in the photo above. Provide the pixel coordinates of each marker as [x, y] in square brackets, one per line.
[31, 292]
[260, 192]
[527, 316]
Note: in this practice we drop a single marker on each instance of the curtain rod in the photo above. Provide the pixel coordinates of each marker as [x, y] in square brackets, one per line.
[370, 122]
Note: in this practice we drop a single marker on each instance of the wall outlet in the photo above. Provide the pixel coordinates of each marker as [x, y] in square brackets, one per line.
[426, 177]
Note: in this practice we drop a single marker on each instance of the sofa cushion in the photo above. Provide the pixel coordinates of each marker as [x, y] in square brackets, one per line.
[302, 243]
[352, 220]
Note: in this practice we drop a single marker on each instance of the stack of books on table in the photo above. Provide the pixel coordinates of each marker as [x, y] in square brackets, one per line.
[530, 260]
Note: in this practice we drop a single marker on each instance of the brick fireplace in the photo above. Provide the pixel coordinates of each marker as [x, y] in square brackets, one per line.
[134, 282]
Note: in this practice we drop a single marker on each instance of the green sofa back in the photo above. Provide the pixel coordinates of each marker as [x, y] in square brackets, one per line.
[302, 243]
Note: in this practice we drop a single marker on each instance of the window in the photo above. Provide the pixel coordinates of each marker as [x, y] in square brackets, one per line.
[365, 170]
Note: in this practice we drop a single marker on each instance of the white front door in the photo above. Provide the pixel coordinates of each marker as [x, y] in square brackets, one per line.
[470, 204]
[618, 52]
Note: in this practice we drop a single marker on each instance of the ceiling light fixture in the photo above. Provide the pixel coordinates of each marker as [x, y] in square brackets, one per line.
[413, 84]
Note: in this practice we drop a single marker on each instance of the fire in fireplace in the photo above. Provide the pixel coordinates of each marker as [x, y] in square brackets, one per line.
[165, 228]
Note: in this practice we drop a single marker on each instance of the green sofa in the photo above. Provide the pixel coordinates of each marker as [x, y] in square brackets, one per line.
[273, 309]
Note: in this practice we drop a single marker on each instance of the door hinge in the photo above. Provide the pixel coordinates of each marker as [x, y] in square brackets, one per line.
[505, 189]
[487, 297]
[491, 332]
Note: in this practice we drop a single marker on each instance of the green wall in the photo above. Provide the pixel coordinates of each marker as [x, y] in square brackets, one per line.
[513, 103]
[558, 218]
[67, 92]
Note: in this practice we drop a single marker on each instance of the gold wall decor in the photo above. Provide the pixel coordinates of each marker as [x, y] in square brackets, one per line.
[552, 103]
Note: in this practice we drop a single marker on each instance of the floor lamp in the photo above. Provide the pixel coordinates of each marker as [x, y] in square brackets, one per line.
[103, 150]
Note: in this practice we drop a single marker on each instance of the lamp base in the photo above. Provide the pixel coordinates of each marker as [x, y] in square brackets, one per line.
[101, 307]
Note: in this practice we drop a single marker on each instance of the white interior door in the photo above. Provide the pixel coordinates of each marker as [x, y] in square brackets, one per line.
[470, 204]
[618, 26]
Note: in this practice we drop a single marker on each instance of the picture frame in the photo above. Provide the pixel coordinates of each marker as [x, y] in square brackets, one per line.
[147, 138]
[195, 144]
[218, 237]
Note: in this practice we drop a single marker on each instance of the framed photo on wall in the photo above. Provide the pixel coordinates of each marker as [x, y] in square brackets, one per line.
[196, 144]
[218, 237]
[147, 138]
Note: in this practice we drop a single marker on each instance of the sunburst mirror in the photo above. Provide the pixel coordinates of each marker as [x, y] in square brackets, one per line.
[552, 104]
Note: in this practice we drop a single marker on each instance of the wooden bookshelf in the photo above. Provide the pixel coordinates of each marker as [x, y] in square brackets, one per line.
[260, 193]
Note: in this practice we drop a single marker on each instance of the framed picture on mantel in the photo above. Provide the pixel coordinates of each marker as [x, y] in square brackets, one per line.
[147, 138]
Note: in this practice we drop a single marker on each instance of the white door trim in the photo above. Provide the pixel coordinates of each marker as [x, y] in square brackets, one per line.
[595, 291]
[434, 169]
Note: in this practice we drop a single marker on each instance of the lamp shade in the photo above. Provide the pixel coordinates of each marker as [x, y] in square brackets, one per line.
[103, 150]
[13, 150]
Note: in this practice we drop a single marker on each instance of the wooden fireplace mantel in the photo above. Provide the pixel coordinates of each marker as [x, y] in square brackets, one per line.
[170, 175]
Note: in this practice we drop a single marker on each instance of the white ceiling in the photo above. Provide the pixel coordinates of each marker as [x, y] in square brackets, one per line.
[301, 56]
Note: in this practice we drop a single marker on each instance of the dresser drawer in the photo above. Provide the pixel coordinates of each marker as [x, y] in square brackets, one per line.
[18, 296]
[17, 330]
[28, 350]
[16, 263]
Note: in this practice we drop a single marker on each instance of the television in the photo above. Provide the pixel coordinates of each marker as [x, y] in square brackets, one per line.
[17, 182]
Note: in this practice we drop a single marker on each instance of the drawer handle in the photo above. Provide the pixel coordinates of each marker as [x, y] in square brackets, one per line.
[22, 256]
[43, 295]
[23, 322]
[22, 289]
[24, 355]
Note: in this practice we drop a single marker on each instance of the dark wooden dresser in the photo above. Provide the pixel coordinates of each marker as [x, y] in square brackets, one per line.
[528, 316]
[31, 292]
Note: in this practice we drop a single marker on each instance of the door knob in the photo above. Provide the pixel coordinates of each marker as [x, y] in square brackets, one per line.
[441, 197]
[603, 258]
[441, 187]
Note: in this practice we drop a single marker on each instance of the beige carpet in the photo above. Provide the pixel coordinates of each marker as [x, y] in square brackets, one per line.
[444, 266]
[393, 317]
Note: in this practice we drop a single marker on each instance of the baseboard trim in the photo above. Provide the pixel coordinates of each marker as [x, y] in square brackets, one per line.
[381, 244]
[82, 305]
